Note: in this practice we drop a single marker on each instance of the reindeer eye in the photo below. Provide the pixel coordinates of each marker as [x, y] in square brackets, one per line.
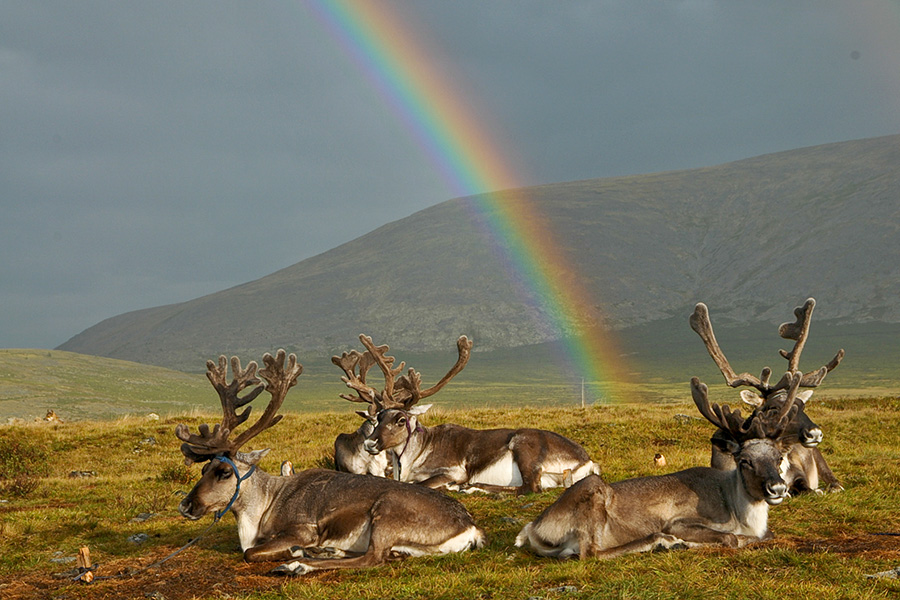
[401, 421]
[224, 474]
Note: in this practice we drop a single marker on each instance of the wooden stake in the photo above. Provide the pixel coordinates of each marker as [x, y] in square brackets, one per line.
[84, 558]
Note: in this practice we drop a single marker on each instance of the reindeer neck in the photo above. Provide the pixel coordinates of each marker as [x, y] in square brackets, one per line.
[409, 453]
[752, 514]
[255, 498]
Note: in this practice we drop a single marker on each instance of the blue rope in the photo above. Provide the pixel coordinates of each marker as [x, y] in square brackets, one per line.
[237, 489]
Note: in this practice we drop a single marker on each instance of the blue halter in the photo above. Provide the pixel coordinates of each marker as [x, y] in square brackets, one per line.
[237, 489]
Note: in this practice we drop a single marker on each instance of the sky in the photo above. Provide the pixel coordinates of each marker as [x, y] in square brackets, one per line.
[155, 152]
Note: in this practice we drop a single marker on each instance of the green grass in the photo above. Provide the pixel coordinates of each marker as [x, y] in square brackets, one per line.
[824, 547]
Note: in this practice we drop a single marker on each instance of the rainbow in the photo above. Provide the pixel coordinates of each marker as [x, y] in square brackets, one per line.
[385, 49]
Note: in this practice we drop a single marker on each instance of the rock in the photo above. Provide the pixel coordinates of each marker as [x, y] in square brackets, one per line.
[82, 474]
[138, 538]
[142, 517]
[892, 574]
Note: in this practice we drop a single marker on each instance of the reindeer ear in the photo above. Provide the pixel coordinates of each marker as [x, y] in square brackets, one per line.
[365, 415]
[725, 442]
[804, 396]
[420, 409]
[252, 458]
[751, 398]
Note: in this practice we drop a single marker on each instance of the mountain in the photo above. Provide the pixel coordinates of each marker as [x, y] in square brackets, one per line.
[751, 238]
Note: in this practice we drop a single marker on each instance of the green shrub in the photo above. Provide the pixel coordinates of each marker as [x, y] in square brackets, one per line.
[19, 486]
[177, 473]
[20, 457]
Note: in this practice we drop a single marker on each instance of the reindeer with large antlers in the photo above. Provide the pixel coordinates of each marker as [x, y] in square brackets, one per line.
[806, 464]
[362, 521]
[349, 454]
[701, 506]
[450, 456]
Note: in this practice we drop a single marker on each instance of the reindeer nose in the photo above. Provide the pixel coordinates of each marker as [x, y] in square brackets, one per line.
[371, 446]
[812, 437]
[185, 508]
[776, 492]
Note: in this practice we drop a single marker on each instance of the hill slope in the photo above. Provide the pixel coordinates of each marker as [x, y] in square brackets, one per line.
[751, 238]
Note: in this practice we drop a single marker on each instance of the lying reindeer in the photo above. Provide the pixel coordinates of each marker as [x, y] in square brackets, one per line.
[349, 454]
[806, 465]
[701, 506]
[450, 456]
[366, 519]
[351, 457]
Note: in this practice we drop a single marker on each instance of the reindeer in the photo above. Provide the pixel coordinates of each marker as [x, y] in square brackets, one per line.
[701, 506]
[353, 520]
[450, 456]
[351, 457]
[349, 454]
[806, 465]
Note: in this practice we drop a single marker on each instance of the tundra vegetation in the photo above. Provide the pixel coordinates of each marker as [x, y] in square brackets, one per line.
[824, 546]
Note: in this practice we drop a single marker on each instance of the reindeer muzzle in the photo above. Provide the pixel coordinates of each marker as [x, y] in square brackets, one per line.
[371, 446]
[186, 508]
[776, 493]
[811, 437]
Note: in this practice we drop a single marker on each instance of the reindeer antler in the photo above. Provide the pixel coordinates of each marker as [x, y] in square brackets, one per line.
[348, 362]
[798, 331]
[209, 443]
[400, 391]
[757, 425]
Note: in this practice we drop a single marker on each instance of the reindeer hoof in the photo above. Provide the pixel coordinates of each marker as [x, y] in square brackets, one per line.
[297, 552]
[292, 568]
[666, 542]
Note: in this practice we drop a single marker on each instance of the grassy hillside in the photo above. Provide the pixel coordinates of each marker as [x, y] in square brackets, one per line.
[824, 547]
[661, 358]
[752, 239]
[78, 386]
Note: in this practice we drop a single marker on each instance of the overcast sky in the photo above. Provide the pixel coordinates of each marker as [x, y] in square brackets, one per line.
[154, 152]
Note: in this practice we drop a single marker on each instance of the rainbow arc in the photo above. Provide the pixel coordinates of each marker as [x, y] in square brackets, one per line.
[387, 52]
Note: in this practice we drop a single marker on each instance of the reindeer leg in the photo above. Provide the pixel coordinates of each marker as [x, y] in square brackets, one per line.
[381, 540]
[528, 452]
[376, 554]
[489, 488]
[284, 547]
[693, 535]
[826, 475]
[442, 481]
[654, 541]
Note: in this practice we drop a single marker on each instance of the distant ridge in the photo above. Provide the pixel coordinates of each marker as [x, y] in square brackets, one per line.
[751, 238]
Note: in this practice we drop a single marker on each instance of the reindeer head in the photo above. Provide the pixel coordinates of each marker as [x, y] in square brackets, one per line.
[221, 476]
[394, 408]
[772, 397]
[755, 443]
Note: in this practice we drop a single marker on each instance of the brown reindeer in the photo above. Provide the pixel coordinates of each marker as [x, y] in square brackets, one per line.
[354, 520]
[806, 465]
[450, 456]
[349, 454]
[701, 506]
